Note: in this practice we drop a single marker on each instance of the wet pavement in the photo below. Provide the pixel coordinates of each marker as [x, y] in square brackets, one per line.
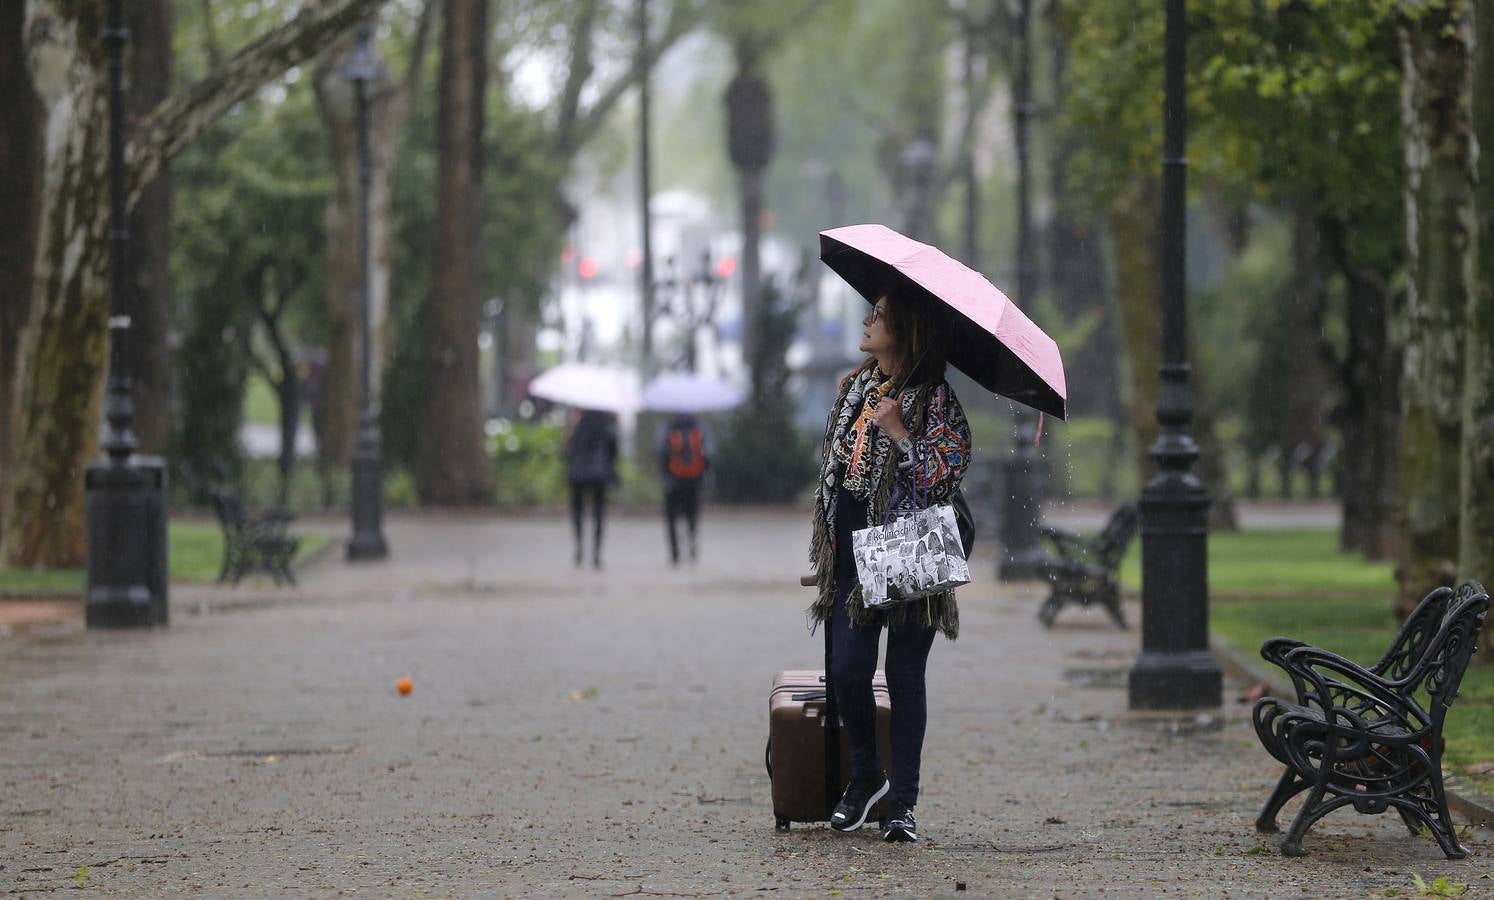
[583, 733]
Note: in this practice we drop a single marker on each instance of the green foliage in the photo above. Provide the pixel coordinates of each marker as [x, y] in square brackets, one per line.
[527, 465]
[250, 200]
[1441, 886]
[761, 456]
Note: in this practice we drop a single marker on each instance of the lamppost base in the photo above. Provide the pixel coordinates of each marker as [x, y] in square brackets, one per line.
[127, 552]
[367, 542]
[1187, 680]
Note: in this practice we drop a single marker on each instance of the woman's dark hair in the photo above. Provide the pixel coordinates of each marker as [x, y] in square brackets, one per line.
[918, 331]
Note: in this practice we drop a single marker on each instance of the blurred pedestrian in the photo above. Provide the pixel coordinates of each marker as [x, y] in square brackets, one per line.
[684, 455]
[896, 420]
[591, 468]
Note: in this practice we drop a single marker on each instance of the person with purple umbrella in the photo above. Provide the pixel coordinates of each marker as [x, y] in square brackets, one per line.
[896, 424]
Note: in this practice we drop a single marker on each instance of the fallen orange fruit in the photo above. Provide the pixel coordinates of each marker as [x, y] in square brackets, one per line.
[404, 686]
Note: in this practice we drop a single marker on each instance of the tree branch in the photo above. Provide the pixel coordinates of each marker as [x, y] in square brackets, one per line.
[417, 51]
[210, 35]
[182, 117]
[684, 17]
[577, 74]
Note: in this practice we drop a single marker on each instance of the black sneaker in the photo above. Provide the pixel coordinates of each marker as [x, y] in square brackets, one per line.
[900, 827]
[855, 803]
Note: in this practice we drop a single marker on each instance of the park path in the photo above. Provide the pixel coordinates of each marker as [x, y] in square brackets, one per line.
[582, 733]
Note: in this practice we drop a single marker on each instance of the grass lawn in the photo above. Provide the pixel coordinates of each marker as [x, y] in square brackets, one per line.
[1296, 583]
[195, 553]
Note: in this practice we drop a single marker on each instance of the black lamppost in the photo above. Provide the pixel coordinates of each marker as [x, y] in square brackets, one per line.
[918, 161]
[1175, 669]
[691, 300]
[367, 542]
[125, 494]
[1022, 497]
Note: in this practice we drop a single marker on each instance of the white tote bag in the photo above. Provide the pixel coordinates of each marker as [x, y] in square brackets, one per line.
[911, 555]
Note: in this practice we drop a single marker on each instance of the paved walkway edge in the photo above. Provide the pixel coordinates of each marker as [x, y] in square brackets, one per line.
[1478, 808]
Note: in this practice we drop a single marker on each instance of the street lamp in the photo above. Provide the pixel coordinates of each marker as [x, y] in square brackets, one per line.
[691, 300]
[1175, 669]
[1021, 502]
[363, 69]
[125, 494]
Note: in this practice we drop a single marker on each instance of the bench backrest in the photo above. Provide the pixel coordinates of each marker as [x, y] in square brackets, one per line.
[1416, 632]
[1117, 534]
[229, 509]
[1449, 651]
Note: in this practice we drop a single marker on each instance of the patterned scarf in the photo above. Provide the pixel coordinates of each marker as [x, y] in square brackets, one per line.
[853, 446]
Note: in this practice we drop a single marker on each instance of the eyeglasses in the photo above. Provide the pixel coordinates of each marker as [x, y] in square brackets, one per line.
[877, 314]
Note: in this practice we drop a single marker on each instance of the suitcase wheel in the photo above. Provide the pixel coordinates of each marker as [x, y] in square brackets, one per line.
[782, 824]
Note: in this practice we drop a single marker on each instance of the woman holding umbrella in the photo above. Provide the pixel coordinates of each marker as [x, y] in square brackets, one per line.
[896, 423]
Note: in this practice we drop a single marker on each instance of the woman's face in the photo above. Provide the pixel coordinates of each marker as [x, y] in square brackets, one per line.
[876, 336]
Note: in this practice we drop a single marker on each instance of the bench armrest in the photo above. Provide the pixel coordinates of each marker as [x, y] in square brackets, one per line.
[1350, 696]
[1068, 544]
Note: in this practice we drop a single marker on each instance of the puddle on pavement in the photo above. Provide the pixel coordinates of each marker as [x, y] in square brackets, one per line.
[1101, 679]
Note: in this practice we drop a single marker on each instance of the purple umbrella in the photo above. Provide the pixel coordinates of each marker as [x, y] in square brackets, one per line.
[989, 339]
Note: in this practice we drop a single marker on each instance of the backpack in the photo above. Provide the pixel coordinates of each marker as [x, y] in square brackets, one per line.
[686, 453]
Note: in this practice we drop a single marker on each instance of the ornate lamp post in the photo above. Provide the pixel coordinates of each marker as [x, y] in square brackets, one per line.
[1022, 497]
[1175, 668]
[368, 514]
[125, 494]
[691, 301]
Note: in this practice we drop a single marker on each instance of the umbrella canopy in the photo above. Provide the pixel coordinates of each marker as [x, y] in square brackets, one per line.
[606, 388]
[990, 339]
[686, 392]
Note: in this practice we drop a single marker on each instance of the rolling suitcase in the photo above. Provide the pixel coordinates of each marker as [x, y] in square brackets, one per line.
[808, 757]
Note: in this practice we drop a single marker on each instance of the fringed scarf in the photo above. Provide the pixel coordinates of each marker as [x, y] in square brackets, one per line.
[845, 427]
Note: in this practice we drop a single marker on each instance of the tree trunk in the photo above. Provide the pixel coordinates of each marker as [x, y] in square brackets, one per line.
[452, 466]
[1440, 226]
[1476, 514]
[1133, 228]
[1304, 381]
[20, 196]
[1370, 410]
[750, 144]
[65, 344]
[147, 267]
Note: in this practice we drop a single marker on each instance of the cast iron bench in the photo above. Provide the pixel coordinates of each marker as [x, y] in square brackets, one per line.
[1084, 569]
[254, 542]
[1362, 736]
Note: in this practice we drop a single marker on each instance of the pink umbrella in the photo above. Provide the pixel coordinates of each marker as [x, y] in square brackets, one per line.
[990, 339]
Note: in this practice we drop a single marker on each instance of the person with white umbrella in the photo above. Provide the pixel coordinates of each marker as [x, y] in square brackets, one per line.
[591, 468]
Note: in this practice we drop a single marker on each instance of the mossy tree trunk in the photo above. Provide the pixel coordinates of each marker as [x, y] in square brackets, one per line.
[65, 345]
[1436, 111]
[1476, 515]
[20, 197]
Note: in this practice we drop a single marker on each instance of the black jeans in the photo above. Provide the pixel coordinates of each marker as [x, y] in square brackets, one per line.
[598, 492]
[853, 661]
[681, 498]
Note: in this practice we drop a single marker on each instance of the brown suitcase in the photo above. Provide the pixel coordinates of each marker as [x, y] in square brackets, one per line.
[803, 789]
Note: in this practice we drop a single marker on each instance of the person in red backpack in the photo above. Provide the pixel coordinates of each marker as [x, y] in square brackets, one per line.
[684, 456]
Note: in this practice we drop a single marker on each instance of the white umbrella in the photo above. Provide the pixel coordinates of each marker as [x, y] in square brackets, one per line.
[683, 392]
[607, 388]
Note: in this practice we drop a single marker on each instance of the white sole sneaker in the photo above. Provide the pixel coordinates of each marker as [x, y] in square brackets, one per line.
[865, 810]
